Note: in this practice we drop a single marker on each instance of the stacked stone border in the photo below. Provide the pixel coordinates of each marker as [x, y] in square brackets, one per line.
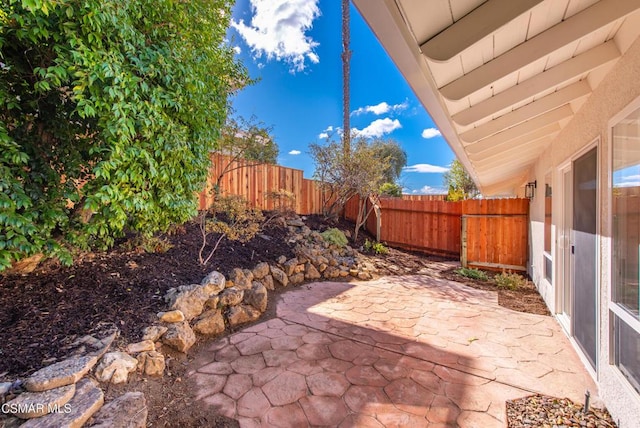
[64, 395]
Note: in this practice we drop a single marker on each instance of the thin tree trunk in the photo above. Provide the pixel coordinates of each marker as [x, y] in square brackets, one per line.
[346, 59]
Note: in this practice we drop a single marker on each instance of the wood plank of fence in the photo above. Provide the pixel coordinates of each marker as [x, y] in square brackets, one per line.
[254, 182]
[428, 226]
[496, 233]
[496, 229]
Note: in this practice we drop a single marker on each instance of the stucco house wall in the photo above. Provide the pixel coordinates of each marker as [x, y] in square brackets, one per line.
[619, 88]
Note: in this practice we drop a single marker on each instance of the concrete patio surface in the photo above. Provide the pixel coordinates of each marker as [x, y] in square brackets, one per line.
[406, 351]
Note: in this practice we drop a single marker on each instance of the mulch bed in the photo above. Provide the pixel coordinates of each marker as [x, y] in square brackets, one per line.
[55, 304]
[44, 310]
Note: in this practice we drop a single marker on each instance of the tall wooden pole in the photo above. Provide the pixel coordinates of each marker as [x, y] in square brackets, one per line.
[346, 58]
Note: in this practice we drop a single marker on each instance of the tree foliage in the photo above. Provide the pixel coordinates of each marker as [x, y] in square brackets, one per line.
[459, 182]
[246, 139]
[361, 172]
[108, 109]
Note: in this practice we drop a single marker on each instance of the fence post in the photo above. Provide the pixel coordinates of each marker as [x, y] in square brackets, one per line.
[463, 243]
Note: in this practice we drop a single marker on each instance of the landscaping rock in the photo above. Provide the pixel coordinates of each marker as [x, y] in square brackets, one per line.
[65, 372]
[36, 404]
[331, 272]
[261, 270]
[151, 363]
[290, 266]
[154, 332]
[5, 387]
[239, 279]
[86, 401]
[145, 345]
[171, 316]
[297, 278]
[231, 297]
[257, 296]
[279, 276]
[189, 299]
[248, 274]
[179, 336]
[128, 410]
[209, 323]
[296, 222]
[212, 302]
[281, 260]
[213, 283]
[241, 314]
[115, 367]
[96, 343]
[267, 281]
[311, 272]
[364, 275]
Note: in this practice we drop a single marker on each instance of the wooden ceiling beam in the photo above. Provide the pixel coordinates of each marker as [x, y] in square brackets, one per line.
[476, 25]
[523, 139]
[529, 111]
[522, 129]
[577, 26]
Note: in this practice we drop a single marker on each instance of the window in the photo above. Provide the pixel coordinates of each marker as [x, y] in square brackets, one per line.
[548, 261]
[625, 296]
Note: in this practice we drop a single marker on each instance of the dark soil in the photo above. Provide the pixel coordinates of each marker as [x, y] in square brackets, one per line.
[524, 299]
[44, 310]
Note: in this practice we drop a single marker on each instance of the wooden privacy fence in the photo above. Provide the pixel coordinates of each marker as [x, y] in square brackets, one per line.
[428, 226]
[495, 234]
[487, 233]
[255, 181]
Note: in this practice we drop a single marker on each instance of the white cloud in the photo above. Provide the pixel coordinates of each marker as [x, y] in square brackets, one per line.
[328, 131]
[628, 184]
[430, 133]
[428, 190]
[425, 168]
[381, 108]
[377, 128]
[630, 178]
[237, 50]
[278, 30]
[295, 152]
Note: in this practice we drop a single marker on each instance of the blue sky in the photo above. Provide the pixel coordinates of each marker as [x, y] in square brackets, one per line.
[293, 47]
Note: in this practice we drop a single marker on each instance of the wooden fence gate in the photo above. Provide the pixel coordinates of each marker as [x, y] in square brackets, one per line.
[483, 233]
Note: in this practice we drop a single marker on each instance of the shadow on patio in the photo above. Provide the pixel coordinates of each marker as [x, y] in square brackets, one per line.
[399, 351]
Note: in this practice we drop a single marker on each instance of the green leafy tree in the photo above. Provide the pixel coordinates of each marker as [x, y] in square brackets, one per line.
[361, 173]
[392, 151]
[459, 182]
[391, 189]
[108, 110]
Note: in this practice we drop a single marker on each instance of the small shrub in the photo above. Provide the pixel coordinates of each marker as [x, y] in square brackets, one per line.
[233, 218]
[284, 202]
[148, 244]
[176, 229]
[335, 236]
[510, 281]
[375, 247]
[473, 273]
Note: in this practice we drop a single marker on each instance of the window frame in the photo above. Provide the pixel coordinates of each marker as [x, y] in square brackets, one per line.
[615, 310]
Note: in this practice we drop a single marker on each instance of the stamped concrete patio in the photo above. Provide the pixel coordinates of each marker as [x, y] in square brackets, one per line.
[412, 351]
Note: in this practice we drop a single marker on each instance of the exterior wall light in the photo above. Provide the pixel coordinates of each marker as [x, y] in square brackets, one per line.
[530, 189]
